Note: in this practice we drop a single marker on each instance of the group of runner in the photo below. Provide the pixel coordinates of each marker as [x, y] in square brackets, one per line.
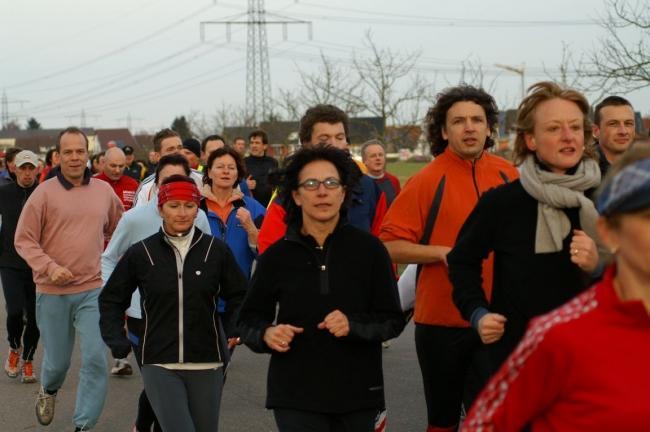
[506, 324]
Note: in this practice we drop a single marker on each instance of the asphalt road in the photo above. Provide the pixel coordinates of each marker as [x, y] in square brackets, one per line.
[242, 407]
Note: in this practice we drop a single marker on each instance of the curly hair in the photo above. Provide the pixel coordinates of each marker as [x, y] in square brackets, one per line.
[437, 114]
[287, 178]
[220, 152]
[542, 92]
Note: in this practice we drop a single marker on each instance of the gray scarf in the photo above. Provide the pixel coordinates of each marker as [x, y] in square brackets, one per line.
[555, 192]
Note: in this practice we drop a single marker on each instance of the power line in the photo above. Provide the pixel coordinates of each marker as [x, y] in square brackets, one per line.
[41, 48]
[111, 53]
[442, 21]
[109, 87]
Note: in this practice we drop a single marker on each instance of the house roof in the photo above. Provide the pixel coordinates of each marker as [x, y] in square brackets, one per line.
[39, 140]
[122, 137]
[282, 132]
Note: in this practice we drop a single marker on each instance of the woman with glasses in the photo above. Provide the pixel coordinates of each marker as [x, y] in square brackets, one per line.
[336, 302]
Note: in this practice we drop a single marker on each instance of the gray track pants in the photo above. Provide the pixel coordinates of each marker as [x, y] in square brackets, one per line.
[184, 400]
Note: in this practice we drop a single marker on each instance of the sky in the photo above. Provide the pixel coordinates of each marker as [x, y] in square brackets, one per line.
[143, 61]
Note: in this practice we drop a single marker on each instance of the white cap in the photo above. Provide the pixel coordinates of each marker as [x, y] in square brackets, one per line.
[24, 157]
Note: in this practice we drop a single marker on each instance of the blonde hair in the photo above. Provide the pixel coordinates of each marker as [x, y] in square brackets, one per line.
[525, 124]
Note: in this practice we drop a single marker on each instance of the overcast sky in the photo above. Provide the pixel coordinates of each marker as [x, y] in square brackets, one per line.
[145, 59]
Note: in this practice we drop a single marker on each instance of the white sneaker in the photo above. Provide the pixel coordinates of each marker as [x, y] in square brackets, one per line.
[121, 368]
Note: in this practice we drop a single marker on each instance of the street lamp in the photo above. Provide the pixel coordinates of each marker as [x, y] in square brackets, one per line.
[519, 70]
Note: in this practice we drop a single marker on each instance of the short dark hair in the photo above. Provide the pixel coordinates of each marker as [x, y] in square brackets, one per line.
[213, 137]
[237, 138]
[609, 101]
[177, 178]
[220, 152]
[96, 156]
[288, 177]
[10, 154]
[71, 130]
[162, 135]
[171, 159]
[49, 155]
[437, 114]
[259, 133]
[321, 114]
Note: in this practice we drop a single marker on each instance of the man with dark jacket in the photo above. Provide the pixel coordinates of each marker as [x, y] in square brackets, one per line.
[17, 281]
[258, 165]
[613, 128]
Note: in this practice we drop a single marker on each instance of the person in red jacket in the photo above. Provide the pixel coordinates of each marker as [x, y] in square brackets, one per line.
[113, 174]
[584, 366]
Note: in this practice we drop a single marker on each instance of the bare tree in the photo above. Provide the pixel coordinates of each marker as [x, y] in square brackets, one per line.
[330, 84]
[622, 60]
[392, 87]
[472, 72]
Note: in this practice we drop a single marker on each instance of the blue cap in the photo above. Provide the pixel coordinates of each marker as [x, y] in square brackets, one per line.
[628, 191]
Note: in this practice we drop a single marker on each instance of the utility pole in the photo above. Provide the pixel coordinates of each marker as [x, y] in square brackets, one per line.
[519, 70]
[4, 109]
[82, 118]
[258, 73]
[129, 120]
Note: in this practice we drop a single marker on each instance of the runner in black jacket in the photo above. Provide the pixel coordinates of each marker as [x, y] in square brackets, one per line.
[180, 274]
[337, 302]
[17, 280]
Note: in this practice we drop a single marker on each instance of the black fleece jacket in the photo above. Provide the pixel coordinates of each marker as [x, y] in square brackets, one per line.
[12, 201]
[259, 167]
[525, 284]
[178, 299]
[320, 372]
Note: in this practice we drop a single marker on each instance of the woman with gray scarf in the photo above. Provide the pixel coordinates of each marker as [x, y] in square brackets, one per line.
[541, 228]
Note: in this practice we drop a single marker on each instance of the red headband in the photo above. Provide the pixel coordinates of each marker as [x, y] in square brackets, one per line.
[180, 190]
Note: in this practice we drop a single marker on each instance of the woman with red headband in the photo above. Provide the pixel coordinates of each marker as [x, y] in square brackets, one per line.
[180, 273]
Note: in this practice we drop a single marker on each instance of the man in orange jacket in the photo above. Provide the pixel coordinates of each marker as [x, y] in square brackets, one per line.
[444, 193]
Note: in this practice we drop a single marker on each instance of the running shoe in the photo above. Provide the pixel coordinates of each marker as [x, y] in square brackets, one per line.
[12, 362]
[45, 407]
[121, 368]
[27, 373]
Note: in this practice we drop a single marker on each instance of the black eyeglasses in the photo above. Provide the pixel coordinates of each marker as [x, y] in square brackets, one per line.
[313, 184]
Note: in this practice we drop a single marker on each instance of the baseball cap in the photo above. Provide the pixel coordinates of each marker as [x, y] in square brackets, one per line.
[24, 157]
[128, 150]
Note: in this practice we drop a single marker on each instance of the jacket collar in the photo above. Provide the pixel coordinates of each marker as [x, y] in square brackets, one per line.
[293, 232]
[66, 184]
[455, 158]
[195, 238]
